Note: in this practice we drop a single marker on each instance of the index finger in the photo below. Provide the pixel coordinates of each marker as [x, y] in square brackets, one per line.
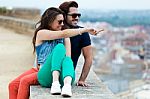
[100, 30]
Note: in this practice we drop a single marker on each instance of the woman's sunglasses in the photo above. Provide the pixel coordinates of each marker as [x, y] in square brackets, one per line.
[74, 15]
[60, 22]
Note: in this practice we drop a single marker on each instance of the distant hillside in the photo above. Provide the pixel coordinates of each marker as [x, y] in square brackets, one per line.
[118, 18]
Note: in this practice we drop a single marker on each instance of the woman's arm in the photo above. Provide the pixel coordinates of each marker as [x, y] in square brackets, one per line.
[68, 47]
[51, 35]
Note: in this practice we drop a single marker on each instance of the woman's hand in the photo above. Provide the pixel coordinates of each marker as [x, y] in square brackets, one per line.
[95, 32]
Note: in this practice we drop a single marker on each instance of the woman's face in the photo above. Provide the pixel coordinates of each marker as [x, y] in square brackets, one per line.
[58, 22]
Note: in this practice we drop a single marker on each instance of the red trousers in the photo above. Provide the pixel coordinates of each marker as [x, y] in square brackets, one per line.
[19, 88]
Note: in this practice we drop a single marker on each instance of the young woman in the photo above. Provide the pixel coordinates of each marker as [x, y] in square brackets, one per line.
[53, 49]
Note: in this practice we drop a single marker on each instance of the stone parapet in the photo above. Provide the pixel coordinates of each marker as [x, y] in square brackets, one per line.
[23, 13]
[18, 25]
[26, 13]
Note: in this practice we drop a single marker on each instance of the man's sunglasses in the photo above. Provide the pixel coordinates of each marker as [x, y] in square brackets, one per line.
[60, 22]
[74, 15]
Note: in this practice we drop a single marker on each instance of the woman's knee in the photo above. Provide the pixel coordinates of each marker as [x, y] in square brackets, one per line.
[60, 48]
[68, 61]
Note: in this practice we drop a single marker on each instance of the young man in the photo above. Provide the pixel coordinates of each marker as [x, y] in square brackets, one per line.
[80, 43]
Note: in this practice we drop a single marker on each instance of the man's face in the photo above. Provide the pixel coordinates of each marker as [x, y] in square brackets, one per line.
[73, 16]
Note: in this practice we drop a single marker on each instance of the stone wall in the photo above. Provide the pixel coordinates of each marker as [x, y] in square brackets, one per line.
[19, 25]
[31, 14]
[23, 13]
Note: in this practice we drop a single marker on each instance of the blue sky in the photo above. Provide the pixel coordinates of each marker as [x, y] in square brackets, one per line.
[88, 4]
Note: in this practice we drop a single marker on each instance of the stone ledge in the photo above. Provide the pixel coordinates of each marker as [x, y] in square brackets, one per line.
[21, 26]
[96, 90]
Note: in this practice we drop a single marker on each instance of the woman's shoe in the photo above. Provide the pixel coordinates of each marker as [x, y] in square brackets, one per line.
[66, 91]
[55, 88]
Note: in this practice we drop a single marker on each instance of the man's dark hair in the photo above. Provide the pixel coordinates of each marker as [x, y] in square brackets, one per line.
[66, 5]
[65, 8]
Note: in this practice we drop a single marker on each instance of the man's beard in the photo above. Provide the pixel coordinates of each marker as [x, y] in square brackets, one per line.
[70, 25]
[75, 24]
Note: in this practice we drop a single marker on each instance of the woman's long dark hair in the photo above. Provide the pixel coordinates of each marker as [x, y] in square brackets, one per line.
[46, 20]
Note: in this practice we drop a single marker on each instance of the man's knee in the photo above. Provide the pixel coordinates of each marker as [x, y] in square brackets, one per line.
[13, 85]
[24, 81]
[10, 86]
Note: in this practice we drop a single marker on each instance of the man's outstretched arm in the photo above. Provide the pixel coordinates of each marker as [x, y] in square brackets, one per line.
[88, 57]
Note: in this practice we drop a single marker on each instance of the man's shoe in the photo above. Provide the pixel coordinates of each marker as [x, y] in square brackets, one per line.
[55, 88]
[66, 90]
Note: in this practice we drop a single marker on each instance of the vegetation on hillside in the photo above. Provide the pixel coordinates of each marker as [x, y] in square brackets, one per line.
[118, 18]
